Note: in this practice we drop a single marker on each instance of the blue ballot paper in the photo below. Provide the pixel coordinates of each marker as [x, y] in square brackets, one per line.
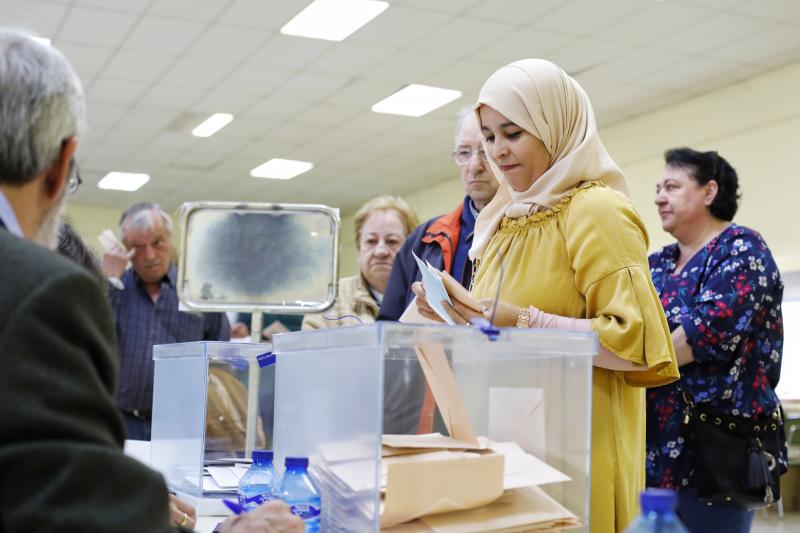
[435, 290]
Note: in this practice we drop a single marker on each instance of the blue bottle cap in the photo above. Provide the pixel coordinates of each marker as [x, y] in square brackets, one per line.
[658, 500]
[297, 462]
[262, 456]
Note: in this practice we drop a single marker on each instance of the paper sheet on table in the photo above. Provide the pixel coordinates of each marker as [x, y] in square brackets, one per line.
[138, 449]
[224, 476]
[442, 382]
[418, 488]
[517, 414]
[435, 292]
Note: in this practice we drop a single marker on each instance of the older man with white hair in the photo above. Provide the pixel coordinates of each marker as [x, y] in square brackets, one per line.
[145, 301]
[61, 463]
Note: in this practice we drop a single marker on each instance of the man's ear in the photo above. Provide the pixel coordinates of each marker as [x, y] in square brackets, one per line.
[57, 176]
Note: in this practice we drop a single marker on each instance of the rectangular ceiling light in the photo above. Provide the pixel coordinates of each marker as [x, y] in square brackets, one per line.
[333, 20]
[44, 40]
[281, 169]
[416, 100]
[123, 181]
[212, 124]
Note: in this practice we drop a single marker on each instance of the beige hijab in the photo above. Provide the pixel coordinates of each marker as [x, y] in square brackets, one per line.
[545, 101]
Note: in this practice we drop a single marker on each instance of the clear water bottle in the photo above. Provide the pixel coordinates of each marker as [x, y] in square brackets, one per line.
[259, 482]
[300, 493]
[658, 513]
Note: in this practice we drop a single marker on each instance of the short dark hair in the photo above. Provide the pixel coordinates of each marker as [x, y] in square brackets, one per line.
[704, 167]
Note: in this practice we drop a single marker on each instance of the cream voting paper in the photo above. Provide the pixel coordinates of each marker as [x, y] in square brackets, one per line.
[517, 414]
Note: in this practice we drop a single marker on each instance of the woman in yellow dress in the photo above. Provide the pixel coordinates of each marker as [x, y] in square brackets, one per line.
[574, 256]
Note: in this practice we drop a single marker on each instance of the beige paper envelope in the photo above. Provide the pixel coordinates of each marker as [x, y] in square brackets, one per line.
[445, 391]
[435, 455]
[418, 488]
[516, 414]
[456, 291]
[525, 509]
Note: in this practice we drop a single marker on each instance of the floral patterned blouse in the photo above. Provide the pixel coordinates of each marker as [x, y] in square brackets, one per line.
[728, 300]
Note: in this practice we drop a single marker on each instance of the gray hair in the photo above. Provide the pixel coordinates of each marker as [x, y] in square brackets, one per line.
[41, 105]
[143, 216]
[462, 116]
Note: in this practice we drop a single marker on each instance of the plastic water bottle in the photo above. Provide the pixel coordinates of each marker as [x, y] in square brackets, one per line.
[300, 493]
[658, 513]
[259, 482]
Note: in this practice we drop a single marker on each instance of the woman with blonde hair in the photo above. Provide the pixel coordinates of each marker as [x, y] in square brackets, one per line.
[574, 254]
[381, 226]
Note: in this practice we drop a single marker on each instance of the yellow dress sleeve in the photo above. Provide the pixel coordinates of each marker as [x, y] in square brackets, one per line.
[607, 249]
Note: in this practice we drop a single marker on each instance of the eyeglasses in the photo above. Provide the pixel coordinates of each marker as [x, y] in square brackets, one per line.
[74, 179]
[462, 156]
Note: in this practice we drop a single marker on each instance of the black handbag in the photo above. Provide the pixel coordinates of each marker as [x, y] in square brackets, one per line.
[735, 458]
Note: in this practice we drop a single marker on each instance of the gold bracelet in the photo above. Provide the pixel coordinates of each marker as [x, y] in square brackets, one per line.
[524, 318]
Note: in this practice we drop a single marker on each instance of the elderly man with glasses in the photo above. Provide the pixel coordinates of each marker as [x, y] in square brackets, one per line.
[444, 241]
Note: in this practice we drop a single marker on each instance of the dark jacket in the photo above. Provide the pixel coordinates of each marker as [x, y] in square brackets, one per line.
[434, 241]
[61, 461]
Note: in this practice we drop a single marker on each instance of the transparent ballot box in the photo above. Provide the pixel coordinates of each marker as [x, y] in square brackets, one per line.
[358, 401]
[212, 404]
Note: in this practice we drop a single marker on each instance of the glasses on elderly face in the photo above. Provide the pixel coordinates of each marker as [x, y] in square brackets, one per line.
[462, 156]
[74, 179]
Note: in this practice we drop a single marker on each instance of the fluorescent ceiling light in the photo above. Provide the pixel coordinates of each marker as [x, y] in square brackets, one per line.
[416, 100]
[44, 40]
[333, 20]
[281, 169]
[212, 125]
[123, 181]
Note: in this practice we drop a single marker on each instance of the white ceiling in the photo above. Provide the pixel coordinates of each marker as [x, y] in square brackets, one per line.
[153, 69]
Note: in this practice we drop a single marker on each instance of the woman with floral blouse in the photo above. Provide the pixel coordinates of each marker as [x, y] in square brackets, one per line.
[722, 292]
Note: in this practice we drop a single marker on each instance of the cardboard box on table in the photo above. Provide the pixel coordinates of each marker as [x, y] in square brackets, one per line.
[338, 391]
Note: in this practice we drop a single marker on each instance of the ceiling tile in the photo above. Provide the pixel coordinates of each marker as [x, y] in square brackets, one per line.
[41, 19]
[254, 79]
[688, 74]
[445, 6]
[758, 47]
[514, 11]
[584, 17]
[124, 92]
[364, 93]
[401, 26]
[227, 43]
[309, 87]
[204, 11]
[100, 116]
[348, 59]
[95, 26]
[461, 76]
[710, 33]
[272, 109]
[195, 73]
[164, 96]
[656, 20]
[633, 65]
[522, 43]
[289, 52]
[462, 36]
[584, 54]
[254, 14]
[137, 66]
[170, 36]
[223, 102]
[131, 6]
[409, 65]
[87, 60]
[327, 114]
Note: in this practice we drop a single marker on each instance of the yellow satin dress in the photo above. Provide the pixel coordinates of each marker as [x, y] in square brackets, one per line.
[587, 258]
